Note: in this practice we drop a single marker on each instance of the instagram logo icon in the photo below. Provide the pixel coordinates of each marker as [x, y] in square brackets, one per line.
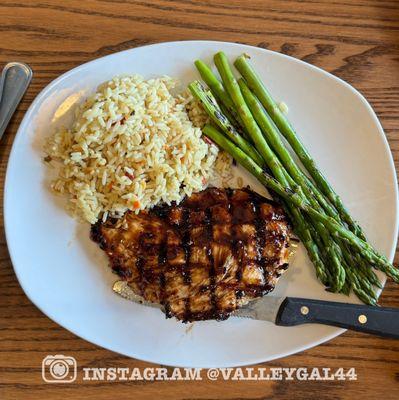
[59, 369]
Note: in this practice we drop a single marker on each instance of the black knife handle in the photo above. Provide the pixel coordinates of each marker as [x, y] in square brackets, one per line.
[382, 321]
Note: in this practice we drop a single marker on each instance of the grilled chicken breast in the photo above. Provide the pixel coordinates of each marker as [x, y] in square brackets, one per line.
[203, 258]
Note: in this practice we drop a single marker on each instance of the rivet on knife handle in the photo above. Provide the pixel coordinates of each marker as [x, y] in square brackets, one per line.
[15, 79]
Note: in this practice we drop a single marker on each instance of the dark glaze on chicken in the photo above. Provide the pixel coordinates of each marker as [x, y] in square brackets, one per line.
[203, 258]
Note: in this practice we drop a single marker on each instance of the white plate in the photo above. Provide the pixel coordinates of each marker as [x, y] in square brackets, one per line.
[66, 275]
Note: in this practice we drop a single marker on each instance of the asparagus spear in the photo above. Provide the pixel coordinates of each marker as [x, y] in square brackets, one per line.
[367, 296]
[217, 89]
[255, 83]
[251, 127]
[308, 237]
[301, 228]
[366, 271]
[210, 105]
[357, 279]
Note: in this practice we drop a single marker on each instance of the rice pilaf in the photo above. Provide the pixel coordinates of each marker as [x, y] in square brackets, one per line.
[132, 146]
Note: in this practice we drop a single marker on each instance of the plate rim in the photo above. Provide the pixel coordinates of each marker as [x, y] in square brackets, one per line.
[43, 94]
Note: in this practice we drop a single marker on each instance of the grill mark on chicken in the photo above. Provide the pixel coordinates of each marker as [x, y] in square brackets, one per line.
[237, 293]
[163, 265]
[186, 244]
[212, 272]
[139, 265]
[260, 234]
[204, 258]
[235, 239]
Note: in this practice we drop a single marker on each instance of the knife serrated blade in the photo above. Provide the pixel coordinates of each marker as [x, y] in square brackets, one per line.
[264, 309]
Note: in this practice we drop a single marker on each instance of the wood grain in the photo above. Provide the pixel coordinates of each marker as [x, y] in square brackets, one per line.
[355, 40]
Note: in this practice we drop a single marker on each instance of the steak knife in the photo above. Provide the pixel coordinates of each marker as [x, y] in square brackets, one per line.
[291, 311]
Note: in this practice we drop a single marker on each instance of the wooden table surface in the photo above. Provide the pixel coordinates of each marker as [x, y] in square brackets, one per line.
[355, 40]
